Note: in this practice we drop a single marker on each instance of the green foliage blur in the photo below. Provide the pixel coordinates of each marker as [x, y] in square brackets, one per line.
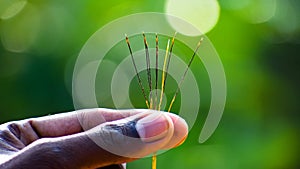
[260, 125]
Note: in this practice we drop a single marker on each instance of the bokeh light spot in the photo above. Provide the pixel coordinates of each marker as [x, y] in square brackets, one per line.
[11, 8]
[203, 14]
[259, 11]
[20, 32]
[285, 18]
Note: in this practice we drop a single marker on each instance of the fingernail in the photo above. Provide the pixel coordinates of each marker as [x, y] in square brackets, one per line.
[152, 127]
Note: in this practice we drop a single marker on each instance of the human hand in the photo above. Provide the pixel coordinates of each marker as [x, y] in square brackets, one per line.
[90, 138]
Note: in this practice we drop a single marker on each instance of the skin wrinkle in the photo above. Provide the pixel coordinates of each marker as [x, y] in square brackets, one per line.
[28, 135]
[9, 141]
[14, 128]
[35, 130]
[7, 147]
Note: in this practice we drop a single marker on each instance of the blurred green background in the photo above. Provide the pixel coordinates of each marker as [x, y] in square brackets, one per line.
[258, 43]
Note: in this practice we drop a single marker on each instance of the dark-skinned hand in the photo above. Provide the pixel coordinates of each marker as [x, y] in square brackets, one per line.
[89, 138]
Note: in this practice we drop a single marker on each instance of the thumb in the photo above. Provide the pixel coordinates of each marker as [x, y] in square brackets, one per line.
[135, 136]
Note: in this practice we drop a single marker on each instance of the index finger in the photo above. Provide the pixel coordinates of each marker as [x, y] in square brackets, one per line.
[77, 121]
